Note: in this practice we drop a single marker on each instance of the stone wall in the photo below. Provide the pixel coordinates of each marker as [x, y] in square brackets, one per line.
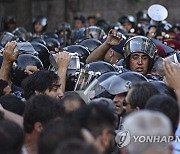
[64, 10]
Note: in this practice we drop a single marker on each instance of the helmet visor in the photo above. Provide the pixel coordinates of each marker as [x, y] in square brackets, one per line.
[74, 63]
[84, 79]
[116, 85]
[25, 47]
[5, 38]
[140, 44]
[95, 89]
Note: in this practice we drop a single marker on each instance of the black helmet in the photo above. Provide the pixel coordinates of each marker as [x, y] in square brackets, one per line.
[119, 27]
[103, 24]
[42, 20]
[127, 18]
[140, 44]
[143, 15]
[122, 82]
[64, 33]
[81, 50]
[134, 31]
[94, 32]
[43, 53]
[26, 48]
[22, 34]
[38, 40]
[23, 60]
[163, 89]
[78, 35]
[52, 44]
[9, 20]
[91, 44]
[95, 90]
[92, 71]
[63, 26]
[99, 67]
[6, 37]
[50, 35]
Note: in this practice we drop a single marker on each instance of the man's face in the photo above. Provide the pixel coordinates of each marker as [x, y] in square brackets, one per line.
[91, 22]
[11, 27]
[139, 62]
[55, 91]
[127, 26]
[38, 27]
[78, 24]
[152, 32]
[118, 101]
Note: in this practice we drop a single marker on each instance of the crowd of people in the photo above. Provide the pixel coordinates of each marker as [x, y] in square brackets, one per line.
[75, 89]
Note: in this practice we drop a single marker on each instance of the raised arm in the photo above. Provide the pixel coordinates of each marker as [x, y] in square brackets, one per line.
[63, 59]
[113, 38]
[172, 77]
[9, 56]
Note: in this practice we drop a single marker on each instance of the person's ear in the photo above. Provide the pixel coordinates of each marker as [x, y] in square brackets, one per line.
[38, 127]
[111, 53]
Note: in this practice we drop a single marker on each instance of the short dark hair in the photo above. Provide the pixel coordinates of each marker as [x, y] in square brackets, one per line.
[91, 17]
[40, 108]
[70, 96]
[80, 17]
[95, 118]
[167, 105]
[75, 146]
[57, 132]
[40, 81]
[12, 137]
[140, 94]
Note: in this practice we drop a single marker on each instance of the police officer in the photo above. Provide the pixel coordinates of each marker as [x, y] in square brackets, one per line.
[110, 50]
[39, 25]
[139, 54]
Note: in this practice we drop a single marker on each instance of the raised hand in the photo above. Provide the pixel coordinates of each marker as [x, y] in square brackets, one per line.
[114, 37]
[63, 59]
[8, 54]
[172, 74]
